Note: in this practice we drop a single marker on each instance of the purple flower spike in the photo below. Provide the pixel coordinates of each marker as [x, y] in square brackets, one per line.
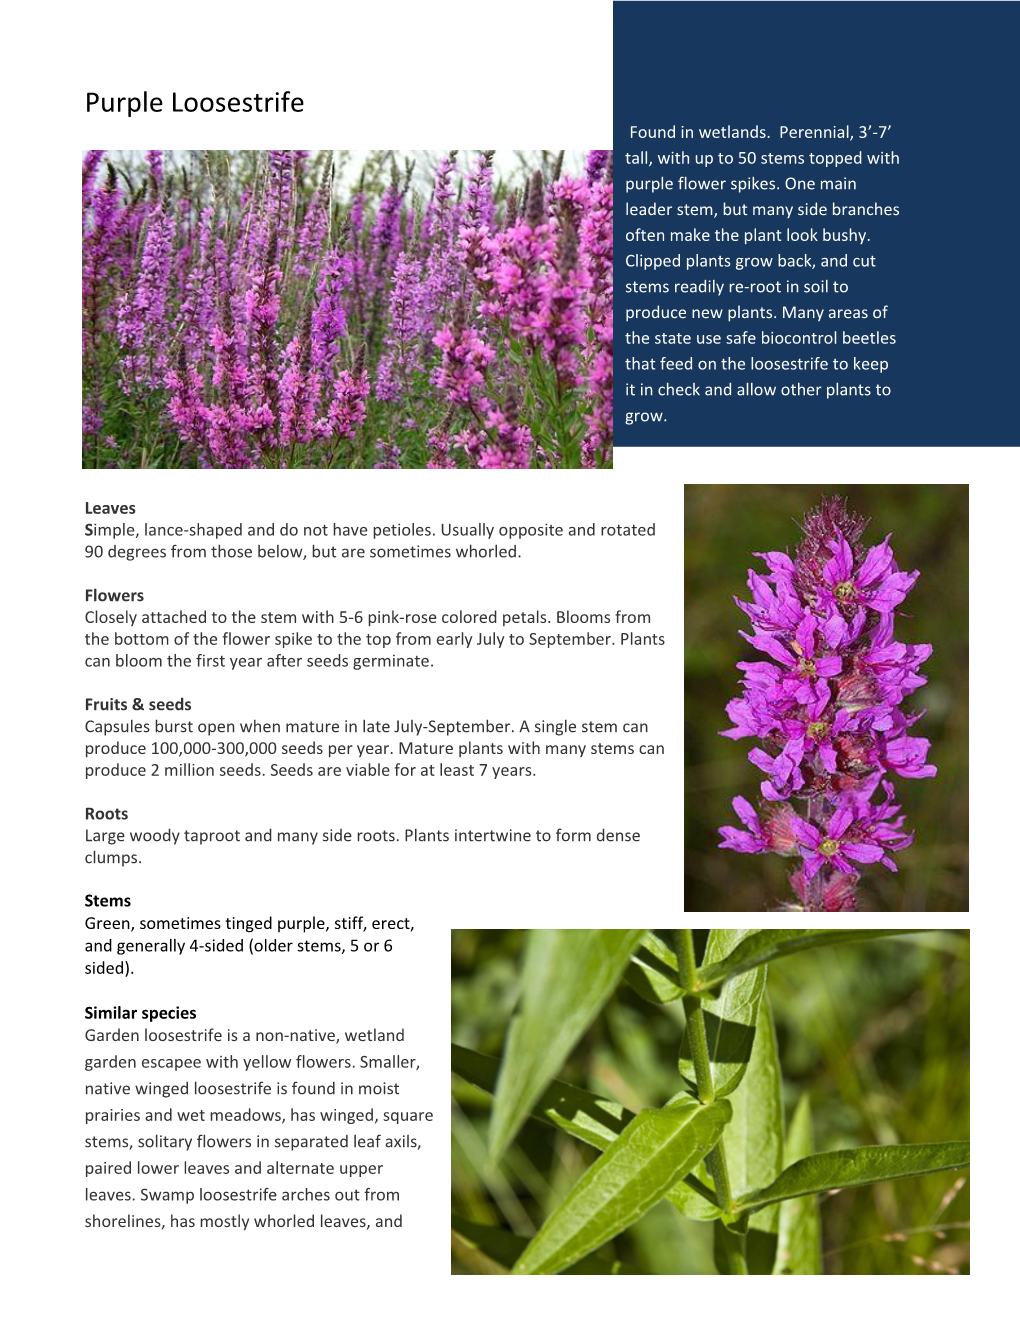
[824, 703]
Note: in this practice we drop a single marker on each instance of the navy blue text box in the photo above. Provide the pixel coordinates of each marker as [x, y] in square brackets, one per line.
[943, 76]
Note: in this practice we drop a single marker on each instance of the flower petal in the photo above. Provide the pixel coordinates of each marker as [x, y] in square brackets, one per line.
[739, 840]
[774, 648]
[891, 592]
[877, 564]
[840, 566]
[835, 631]
[806, 834]
[805, 635]
[863, 852]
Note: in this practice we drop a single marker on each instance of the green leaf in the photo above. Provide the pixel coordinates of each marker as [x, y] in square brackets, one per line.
[764, 946]
[653, 972]
[583, 1115]
[856, 1168]
[729, 1020]
[567, 977]
[754, 1139]
[800, 1220]
[590, 1118]
[655, 1151]
[506, 1248]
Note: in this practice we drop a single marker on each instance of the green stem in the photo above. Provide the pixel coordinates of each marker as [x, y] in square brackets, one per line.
[683, 943]
[716, 1165]
[734, 1250]
[683, 947]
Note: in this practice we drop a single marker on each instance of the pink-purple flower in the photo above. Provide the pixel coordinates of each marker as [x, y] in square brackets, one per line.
[825, 707]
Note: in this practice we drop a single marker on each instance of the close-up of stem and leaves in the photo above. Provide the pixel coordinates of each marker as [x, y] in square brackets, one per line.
[720, 1168]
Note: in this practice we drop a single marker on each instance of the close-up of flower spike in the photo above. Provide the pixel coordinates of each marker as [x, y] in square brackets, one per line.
[826, 708]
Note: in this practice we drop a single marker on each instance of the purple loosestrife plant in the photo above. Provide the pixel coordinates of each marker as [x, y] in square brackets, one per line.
[245, 310]
[466, 356]
[299, 392]
[826, 706]
[402, 355]
[347, 410]
[141, 324]
[514, 444]
[89, 168]
[329, 318]
[314, 229]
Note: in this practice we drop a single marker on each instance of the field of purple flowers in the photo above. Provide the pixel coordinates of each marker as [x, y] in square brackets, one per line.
[240, 311]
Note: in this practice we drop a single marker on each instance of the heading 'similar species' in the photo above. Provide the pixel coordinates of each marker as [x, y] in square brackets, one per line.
[826, 709]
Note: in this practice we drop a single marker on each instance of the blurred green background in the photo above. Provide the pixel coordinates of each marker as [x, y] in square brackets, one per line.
[723, 526]
[877, 1034]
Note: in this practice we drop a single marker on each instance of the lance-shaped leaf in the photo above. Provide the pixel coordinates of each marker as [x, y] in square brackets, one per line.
[856, 1168]
[730, 1018]
[567, 977]
[506, 1248]
[656, 1150]
[800, 1220]
[590, 1118]
[763, 946]
[653, 972]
